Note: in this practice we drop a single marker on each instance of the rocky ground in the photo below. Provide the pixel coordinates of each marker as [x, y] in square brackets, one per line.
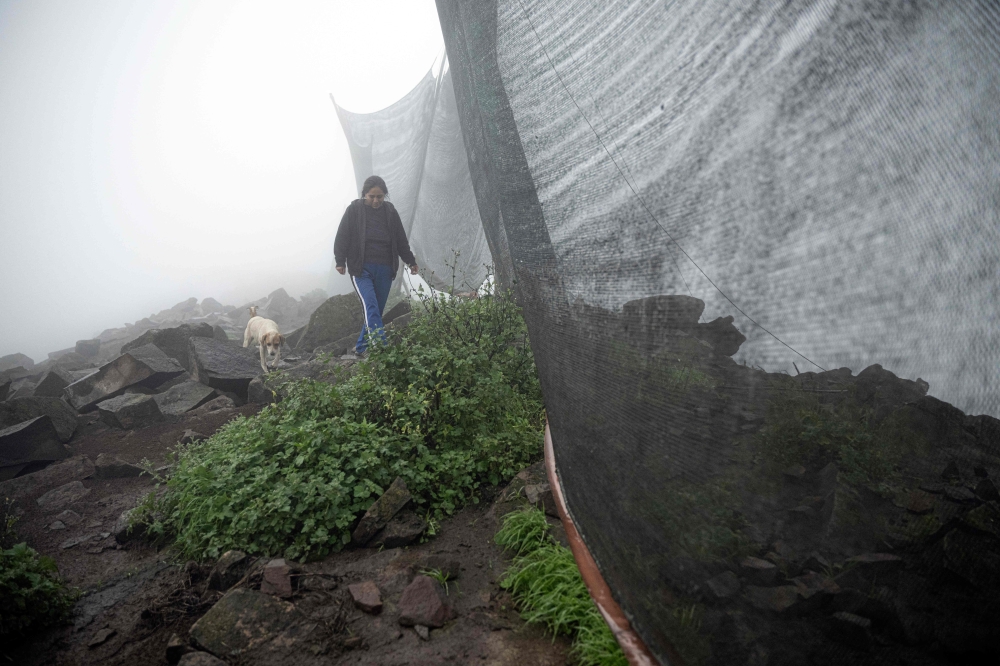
[73, 447]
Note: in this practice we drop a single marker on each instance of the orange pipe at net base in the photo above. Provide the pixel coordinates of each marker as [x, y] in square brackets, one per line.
[635, 650]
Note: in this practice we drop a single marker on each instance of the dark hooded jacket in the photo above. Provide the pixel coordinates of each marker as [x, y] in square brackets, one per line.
[349, 246]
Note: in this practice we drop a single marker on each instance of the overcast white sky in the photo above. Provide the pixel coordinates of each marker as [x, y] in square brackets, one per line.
[153, 151]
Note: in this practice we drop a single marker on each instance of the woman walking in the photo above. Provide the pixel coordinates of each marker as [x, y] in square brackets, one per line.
[370, 242]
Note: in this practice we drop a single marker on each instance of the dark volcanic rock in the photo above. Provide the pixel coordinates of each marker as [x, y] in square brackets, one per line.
[242, 621]
[402, 529]
[381, 511]
[723, 586]
[130, 411]
[338, 317]
[70, 469]
[173, 341]
[366, 596]
[19, 360]
[33, 441]
[59, 498]
[18, 410]
[720, 333]
[88, 348]
[228, 570]
[4, 389]
[109, 467]
[424, 602]
[184, 397]
[224, 366]
[52, 383]
[396, 311]
[277, 579]
[143, 366]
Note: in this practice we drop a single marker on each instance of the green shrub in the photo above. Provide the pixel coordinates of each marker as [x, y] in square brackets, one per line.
[453, 404]
[31, 594]
[547, 586]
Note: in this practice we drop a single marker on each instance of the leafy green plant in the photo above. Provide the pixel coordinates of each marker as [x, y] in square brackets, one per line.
[549, 590]
[31, 594]
[452, 404]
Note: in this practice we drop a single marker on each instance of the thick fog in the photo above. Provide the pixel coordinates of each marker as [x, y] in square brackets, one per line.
[154, 151]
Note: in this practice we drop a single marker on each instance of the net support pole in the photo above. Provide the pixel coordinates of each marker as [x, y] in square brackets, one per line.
[635, 650]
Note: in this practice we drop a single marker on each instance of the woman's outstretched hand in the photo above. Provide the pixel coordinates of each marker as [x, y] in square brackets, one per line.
[414, 269]
[340, 269]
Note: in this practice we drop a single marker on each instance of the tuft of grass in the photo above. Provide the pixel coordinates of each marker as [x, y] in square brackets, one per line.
[523, 531]
[442, 577]
[549, 590]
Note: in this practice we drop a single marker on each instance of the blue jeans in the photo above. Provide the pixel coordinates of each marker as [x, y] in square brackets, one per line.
[372, 287]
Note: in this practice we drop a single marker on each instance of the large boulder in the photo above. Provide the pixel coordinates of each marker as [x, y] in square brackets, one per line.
[184, 397]
[70, 469]
[4, 388]
[224, 366]
[34, 441]
[16, 361]
[19, 410]
[337, 318]
[210, 306]
[52, 383]
[145, 366]
[242, 621]
[88, 348]
[173, 341]
[280, 307]
[130, 411]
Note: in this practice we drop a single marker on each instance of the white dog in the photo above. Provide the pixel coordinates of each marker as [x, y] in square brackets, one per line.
[265, 333]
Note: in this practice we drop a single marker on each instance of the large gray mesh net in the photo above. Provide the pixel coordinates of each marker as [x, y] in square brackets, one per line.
[757, 246]
[416, 146]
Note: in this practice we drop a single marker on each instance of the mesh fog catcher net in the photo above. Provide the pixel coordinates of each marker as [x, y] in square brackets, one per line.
[757, 248]
[416, 146]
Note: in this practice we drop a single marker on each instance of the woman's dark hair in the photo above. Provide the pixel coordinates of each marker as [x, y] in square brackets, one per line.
[374, 181]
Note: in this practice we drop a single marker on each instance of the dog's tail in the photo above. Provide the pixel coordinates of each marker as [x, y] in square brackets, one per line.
[253, 310]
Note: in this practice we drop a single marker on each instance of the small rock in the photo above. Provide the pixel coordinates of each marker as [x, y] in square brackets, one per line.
[424, 602]
[353, 642]
[986, 491]
[381, 512]
[94, 523]
[228, 570]
[851, 629]
[57, 525]
[200, 659]
[366, 596]
[277, 579]
[75, 541]
[951, 472]
[65, 494]
[422, 631]
[980, 472]
[101, 637]
[758, 571]
[176, 647]
[723, 586]
[959, 494]
[403, 529]
[540, 495]
[985, 518]
[70, 518]
[214, 405]
[110, 467]
[96, 550]
[192, 436]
